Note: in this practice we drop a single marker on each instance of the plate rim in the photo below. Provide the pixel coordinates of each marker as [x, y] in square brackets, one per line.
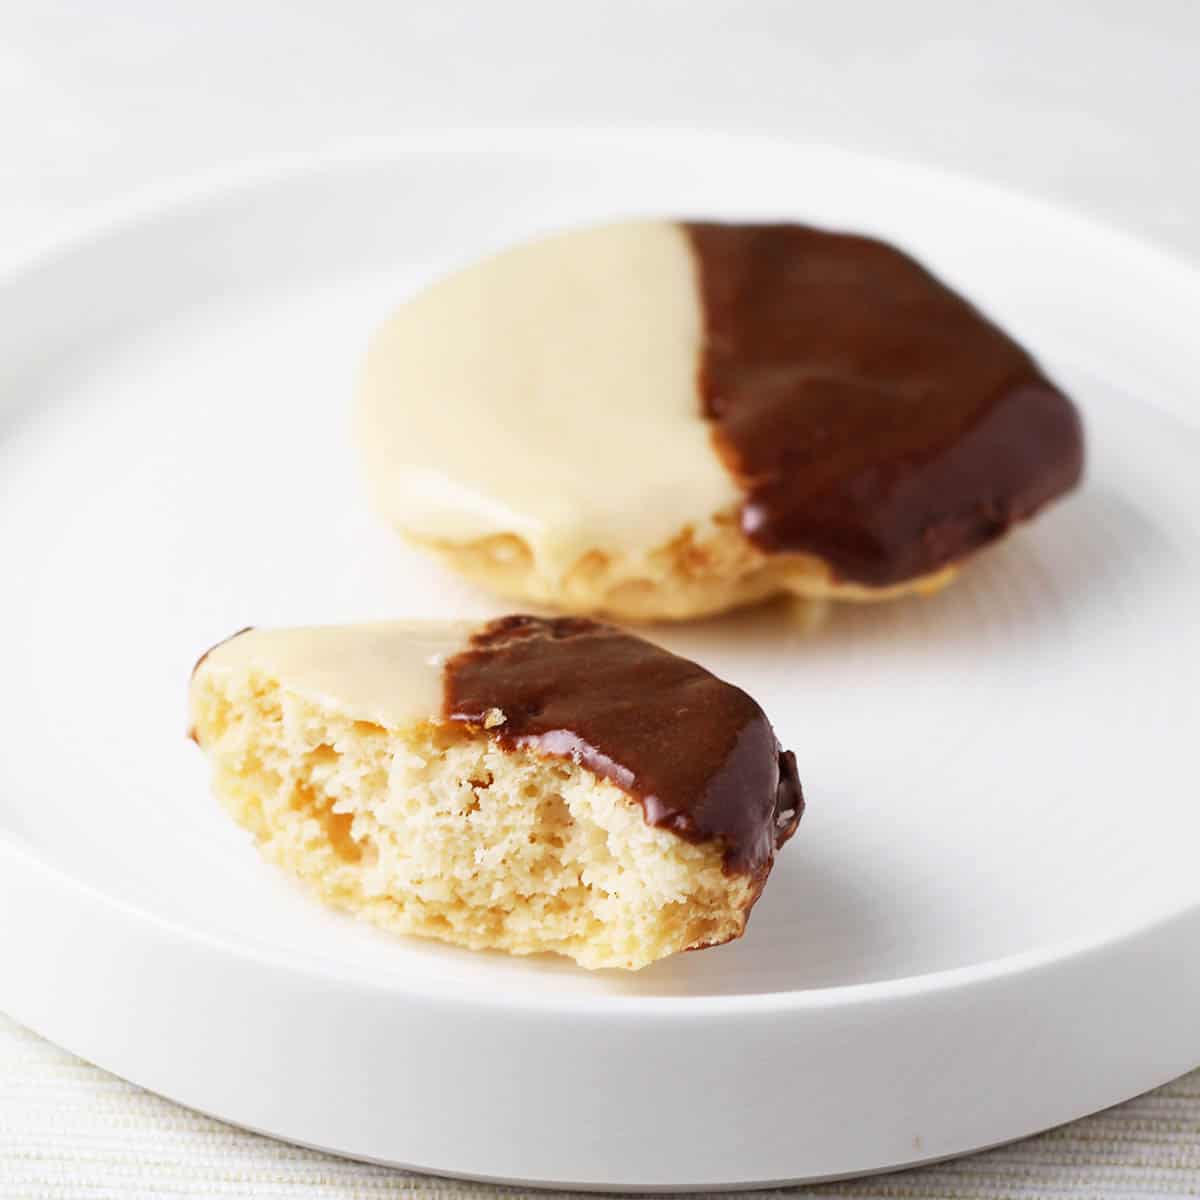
[191, 193]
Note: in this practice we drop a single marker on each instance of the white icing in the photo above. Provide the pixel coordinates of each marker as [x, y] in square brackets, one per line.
[390, 673]
[548, 392]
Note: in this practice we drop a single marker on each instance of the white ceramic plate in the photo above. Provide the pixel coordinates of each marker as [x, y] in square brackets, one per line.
[989, 920]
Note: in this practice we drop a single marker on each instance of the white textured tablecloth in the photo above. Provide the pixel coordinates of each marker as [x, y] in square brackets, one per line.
[68, 1129]
[1092, 102]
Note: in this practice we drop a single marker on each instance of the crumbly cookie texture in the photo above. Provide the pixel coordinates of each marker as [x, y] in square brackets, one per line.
[696, 574]
[431, 828]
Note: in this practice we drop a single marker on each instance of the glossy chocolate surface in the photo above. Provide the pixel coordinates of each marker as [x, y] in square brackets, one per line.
[870, 415]
[697, 753]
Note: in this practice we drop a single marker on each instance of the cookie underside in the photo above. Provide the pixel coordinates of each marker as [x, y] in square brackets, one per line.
[699, 573]
[433, 829]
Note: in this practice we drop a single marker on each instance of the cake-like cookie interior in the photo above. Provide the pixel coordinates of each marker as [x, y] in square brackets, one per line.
[429, 827]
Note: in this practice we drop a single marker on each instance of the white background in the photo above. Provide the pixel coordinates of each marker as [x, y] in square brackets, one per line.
[1093, 102]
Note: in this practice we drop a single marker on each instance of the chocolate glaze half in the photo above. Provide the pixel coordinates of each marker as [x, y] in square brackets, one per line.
[698, 754]
[870, 415]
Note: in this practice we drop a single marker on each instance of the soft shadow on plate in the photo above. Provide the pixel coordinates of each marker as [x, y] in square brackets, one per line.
[819, 923]
[1073, 555]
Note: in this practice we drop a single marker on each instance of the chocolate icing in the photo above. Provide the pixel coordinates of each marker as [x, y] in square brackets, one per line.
[870, 415]
[697, 753]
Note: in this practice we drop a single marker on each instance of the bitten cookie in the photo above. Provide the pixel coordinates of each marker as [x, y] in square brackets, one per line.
[526, 785]
[663, 419]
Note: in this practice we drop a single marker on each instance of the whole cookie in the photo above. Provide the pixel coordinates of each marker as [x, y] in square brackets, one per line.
[665, 419]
